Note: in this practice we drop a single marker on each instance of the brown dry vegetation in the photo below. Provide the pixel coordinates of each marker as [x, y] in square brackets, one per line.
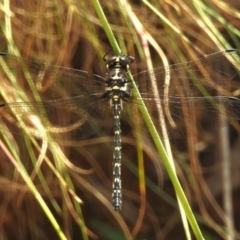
[69, 33]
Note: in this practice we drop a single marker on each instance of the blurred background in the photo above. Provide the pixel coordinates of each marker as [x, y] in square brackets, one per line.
[70, 34]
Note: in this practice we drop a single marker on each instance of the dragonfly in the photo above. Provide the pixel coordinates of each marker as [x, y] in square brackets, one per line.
[54, 103]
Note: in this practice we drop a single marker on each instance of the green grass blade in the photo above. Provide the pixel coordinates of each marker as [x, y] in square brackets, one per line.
[154, 133]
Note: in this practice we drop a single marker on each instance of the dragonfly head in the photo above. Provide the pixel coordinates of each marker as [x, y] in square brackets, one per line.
[120, 61]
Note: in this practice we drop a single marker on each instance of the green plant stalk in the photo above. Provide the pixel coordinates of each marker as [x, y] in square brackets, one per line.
[168, 166]
[153, 131]
[17, 163]
[214, 33]
[106, 26]
[68, 182]
[39, 173]
[22, 171]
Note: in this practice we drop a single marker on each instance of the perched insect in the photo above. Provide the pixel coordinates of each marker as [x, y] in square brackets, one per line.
[64, 104]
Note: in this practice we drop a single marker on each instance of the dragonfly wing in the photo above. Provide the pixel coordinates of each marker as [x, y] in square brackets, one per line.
[50, 102]
[186, 117]
[40, 82]
[191, 97]
[63, 120]
[215, 74]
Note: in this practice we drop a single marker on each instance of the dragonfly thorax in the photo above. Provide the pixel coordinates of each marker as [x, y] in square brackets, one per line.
[118, 86]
